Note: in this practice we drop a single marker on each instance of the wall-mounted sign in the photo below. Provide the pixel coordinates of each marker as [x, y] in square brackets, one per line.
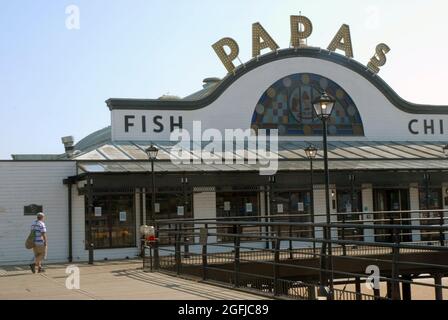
[98, 211]
[32, 209]
[226, 205]
[348, 207]
[180, 210]
[123, 216]
[157, 207]
[249, 208]
[300, 206]
[280, 208]
[301, 30]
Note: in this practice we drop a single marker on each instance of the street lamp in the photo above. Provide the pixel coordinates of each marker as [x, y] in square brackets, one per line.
[323, 106]
[311, 153]
[152, 152]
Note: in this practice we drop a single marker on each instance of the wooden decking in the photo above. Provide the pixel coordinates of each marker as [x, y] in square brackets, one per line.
[123, 280]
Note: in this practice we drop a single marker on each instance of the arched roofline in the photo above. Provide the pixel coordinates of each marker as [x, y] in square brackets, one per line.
[315, 53]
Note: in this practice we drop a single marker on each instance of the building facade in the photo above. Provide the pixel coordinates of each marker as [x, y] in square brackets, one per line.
[386, 154]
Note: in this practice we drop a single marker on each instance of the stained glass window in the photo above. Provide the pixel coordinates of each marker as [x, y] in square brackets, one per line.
[287, 106]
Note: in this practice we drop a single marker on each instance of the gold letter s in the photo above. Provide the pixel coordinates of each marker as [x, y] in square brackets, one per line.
[379, 59]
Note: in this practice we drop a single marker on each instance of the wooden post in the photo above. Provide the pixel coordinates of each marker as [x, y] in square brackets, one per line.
[276, 267]
[344, 249]
[156, 249]
[204, 238]
[438, 288]
[358, 288]
[395, 285]
[377, 294]
[406, 289]
[177, 250]
[237, 242]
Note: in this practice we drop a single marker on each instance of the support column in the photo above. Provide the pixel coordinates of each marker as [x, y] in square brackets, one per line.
[204, 202]
[264, 211]
[438, 290]
[445, 205]
[137, 197]
[406, 289]
[358, 288]
[415, 205]
[367, 202]
[144, 205]
[319, 209]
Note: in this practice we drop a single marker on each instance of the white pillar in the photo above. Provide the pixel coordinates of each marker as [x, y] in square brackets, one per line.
[320, 208]
[137, 215]
[204, 204]
[415, 205]
[444, 194]
[263, 211]
[367, 203]
[144, 205]
[444, 204]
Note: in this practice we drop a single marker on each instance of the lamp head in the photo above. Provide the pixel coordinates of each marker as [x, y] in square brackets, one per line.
[311, 152]
[152, 152]
[323, 106]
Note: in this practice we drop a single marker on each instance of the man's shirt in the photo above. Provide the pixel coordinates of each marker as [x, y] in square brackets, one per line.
[39, 228]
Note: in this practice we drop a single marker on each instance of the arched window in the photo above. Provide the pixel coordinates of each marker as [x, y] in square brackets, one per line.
[287, 106]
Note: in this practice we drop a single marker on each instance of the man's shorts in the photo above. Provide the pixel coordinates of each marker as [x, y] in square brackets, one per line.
[39, 252]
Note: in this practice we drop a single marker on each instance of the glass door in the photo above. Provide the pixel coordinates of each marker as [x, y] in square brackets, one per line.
[350, 205]
[430, 199]
[386, 202]
[244, 205]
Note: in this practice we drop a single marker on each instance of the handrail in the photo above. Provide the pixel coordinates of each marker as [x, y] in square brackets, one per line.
[222, 249]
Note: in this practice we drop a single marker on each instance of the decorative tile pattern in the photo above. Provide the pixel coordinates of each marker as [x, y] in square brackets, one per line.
[287, 105]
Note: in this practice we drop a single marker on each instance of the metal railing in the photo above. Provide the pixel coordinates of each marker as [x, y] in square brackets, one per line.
[277, 257]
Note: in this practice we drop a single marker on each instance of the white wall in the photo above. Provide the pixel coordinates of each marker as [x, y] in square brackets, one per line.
[25, 183]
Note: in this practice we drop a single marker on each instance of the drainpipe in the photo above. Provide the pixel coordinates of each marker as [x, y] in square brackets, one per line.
[70, 231]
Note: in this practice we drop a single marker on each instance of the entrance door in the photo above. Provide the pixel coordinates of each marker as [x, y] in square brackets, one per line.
[296, 206]
[386, 201]
[430, 199]
[242, 204]
[349, 205]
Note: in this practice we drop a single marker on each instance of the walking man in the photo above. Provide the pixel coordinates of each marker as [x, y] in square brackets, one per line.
[40, 243]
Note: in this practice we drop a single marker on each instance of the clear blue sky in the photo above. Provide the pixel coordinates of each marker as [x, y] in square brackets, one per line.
[54, 81]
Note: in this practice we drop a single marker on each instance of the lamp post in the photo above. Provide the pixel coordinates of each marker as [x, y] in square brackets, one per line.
[323, 106]
[152, 152]
[311, 153]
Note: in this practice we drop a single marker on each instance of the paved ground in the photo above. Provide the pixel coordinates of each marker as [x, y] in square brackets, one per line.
[108, 280]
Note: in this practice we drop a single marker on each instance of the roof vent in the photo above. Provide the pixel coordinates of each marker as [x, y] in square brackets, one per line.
[169, 97]
[69, 145]
[208, 82]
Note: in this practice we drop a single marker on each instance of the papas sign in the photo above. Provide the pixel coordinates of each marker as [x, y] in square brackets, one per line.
[301, 30]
